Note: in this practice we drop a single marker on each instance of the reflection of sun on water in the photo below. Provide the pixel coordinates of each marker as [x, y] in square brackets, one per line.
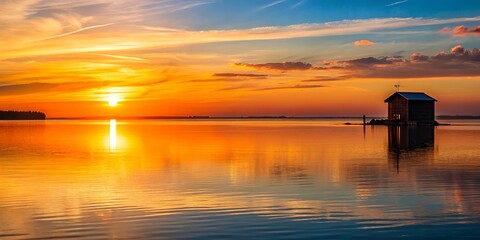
[115, 142]
[113, 134]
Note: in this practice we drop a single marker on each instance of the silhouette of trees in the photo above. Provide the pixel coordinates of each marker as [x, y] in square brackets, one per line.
[21, 115]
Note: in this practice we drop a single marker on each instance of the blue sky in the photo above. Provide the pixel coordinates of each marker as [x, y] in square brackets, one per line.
[233, 14]
[253, 13]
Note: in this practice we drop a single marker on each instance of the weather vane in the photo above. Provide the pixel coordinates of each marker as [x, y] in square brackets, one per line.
[397, 86]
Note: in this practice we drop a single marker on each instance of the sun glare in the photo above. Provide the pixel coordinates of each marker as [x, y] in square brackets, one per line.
[112, 101]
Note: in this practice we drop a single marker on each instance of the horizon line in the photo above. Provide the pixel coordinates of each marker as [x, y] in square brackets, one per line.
[205, 117]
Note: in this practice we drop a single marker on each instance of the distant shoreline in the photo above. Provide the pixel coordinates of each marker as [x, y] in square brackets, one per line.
[22, 115]
[448, 117]
[441, 117]
[201, 118]
[34, 115]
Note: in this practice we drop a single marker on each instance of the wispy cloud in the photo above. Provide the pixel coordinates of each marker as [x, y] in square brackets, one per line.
[285, 66]
[327, 79]
[269, 5]
[76, 31]
[396, 3]
[122, 57]
[191, 5]
[299, 86]
[141, 37]
[41, 87]
[298, 4]
[234, 75]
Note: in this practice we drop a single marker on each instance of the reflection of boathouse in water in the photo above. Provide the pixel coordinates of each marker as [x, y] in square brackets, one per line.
[410, 137]
[409, 144]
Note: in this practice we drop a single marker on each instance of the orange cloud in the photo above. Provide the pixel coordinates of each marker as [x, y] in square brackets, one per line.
[363, 42]
[461, 30]
[458, 62]
[445, 30]
[285, 66]
[245, 75]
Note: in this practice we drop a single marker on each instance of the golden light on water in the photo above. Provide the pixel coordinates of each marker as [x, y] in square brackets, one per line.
[113, 134]
[106, 183]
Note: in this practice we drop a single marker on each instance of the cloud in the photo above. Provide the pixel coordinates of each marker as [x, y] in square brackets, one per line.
[281, 87]
[298, 4]
[285, 66]
[459, 50]
[122, 57]
[345, 27]
[19, 89]
[458, 62]
[221, 79]
[40, 87]
[20, 38]
[230, 77]
[326, 79]
[76, 31]
[299, 86]
[461, 30]
[189, 6]
[243, 86]
[445, 30]
[396, 3]
[244, 75]
[418, 57]
[274, 3]
[363, 42]
[14, 10]
[372, 61]
[26, 24]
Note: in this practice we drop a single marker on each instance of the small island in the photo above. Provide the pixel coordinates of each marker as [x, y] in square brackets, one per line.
[22, 115]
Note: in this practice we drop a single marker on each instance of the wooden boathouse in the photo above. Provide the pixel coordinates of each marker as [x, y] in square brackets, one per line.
[411, 108]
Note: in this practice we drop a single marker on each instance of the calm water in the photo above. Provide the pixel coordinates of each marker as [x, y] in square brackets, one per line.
[238, 179]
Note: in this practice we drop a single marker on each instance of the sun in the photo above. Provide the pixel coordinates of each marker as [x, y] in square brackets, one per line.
[112, 101]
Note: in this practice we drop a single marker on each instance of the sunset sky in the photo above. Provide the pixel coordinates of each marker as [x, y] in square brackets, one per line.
[71, 58]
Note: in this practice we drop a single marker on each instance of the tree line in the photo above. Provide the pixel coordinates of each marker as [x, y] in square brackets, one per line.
[22, 115]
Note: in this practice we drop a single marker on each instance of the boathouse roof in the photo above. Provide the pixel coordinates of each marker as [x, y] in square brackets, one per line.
[412, 96]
